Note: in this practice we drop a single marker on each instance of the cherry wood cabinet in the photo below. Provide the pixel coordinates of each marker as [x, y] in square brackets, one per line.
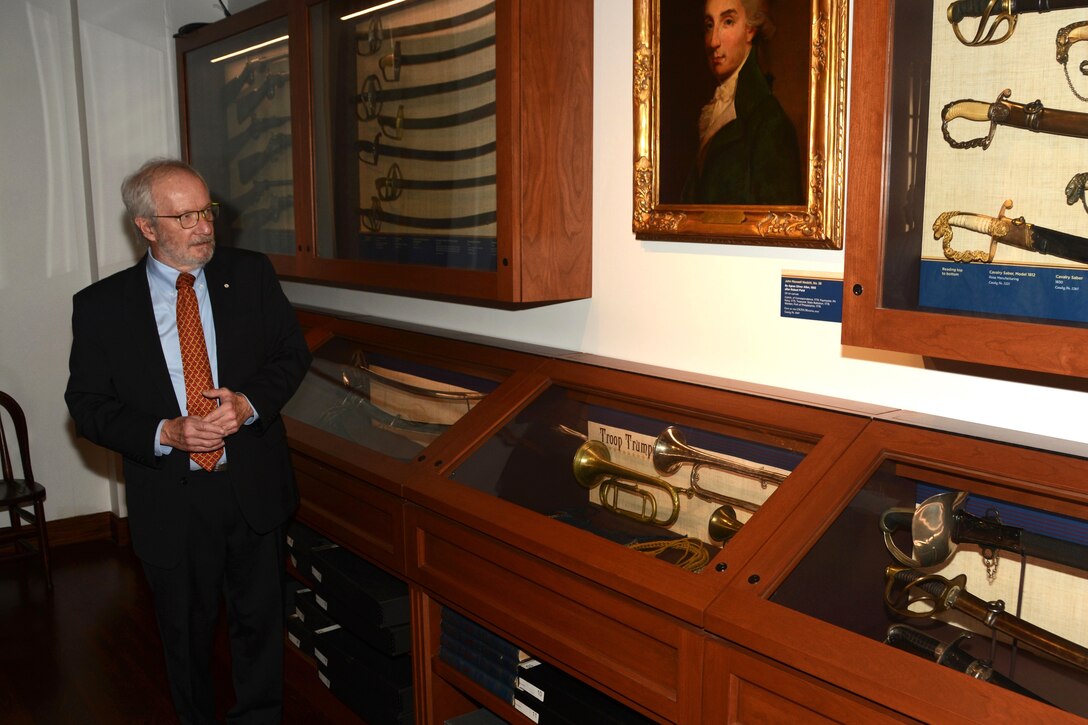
[436, 148]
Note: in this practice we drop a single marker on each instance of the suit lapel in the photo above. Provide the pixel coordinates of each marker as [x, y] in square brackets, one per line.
[147, 360]
[217, 274]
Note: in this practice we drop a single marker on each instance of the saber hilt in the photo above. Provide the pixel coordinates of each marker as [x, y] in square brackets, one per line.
[905, 586]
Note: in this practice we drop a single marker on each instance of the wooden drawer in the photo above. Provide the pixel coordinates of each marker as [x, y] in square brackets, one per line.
[636, 654]
[741, 687]
[351, 512]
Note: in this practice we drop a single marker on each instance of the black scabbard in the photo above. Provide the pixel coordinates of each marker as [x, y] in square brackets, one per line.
[1059, 244]
[950, 655]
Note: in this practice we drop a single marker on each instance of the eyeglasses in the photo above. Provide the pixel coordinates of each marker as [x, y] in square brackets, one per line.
[189, 219]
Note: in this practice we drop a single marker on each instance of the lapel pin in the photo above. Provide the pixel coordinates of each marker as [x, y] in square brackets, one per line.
[226, 285]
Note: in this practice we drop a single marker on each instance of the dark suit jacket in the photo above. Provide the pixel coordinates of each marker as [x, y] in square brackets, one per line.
[753, 159]
[119, 389]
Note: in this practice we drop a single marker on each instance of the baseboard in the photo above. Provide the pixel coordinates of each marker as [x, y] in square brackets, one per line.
[89, 527]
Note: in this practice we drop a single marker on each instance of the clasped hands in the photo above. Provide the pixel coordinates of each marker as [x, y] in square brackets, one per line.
[198, 434]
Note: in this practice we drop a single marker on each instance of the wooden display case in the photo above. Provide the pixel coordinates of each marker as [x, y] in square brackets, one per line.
[824, 600]
[500, 518]
[1022, 308]
[437, 148]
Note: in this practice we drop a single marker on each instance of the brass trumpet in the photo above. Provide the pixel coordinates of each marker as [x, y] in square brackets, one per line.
[593, 467]
[672, 451]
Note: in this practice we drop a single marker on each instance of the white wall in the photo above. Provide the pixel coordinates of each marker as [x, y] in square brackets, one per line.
[711, 309]
[703, 308]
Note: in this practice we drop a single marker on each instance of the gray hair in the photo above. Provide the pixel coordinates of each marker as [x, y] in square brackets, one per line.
[757, 17]
[136, 188]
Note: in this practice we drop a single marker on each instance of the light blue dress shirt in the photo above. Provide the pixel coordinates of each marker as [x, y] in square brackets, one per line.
[164, 298]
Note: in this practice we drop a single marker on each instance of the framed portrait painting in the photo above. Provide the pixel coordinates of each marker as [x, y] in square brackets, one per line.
[740, 121]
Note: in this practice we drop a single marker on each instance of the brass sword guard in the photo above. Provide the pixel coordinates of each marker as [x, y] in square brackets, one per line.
[994, 227]
[986, 30]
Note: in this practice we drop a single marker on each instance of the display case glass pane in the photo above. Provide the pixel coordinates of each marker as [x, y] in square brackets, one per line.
[916, 561]
[625, 473]
[387, 403]
[985, 210]
[404, 119]
[239, 135]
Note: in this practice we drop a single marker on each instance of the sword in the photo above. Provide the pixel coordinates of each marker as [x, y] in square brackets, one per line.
[905, 586]
[1004, 230]
[1064, 40]
[1003, 112]
[393, 62]
[371, 95]
[370, 42]
[373, 217]
[940, 523]
[393, 126]
[951, 655]
[997, 14]
[375, 149]
[393, 183]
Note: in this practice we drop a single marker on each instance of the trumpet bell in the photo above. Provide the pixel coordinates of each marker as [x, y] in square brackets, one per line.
[593, 466]
[723, 524]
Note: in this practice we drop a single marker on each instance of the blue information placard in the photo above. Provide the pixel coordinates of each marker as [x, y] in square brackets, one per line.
[1051, 293]
[812, 298]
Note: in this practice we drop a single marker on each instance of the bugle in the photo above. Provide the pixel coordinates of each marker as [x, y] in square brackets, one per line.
[593, 467]
[672, 451]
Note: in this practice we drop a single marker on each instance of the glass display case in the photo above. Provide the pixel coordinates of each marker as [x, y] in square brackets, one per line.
[678, 493]
[387, 403]
[966, 222]
[436, 148]
[237, 128]
[949, 556]
[406, 126]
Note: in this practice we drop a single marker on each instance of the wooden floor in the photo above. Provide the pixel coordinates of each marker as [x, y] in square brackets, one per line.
[90, 652]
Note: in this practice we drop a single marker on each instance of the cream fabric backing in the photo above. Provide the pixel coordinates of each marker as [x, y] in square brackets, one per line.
[1032, 169]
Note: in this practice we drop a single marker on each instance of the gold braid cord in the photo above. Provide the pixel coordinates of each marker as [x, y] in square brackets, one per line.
[693, 555]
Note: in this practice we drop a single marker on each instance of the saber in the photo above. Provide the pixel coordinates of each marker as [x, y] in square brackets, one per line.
[915, 641]
[1003, 112]
[394, 126]
[373, 217]
[994, 15]
[370, 42]
[371, 95]
[375, 149]
[392, 184]
[1004, 230]
[393, 62]
[940, 522]
[905, 586]
[1066, 37]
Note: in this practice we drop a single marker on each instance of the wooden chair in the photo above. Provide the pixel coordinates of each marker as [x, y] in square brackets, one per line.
[26, 536]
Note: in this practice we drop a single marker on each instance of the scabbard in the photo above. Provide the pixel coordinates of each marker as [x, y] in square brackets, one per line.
[1035, 117]
[975, 8]
[1058, 244]
[952, 656]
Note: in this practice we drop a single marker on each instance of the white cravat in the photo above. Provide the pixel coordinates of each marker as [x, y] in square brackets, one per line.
[720, 111]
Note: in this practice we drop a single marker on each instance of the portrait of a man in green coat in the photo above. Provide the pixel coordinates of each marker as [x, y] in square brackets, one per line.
[747, 152]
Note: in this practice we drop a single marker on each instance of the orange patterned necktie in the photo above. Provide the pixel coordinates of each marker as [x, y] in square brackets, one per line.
[194, 362]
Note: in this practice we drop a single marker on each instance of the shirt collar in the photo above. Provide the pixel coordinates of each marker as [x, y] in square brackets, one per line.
[165, 274]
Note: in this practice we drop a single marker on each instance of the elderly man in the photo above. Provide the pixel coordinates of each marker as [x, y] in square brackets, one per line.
[747, 145]
[181, 364]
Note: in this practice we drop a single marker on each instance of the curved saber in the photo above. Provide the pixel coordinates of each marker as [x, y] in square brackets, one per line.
[1032, 116]
[904, 586]
[1004, 230]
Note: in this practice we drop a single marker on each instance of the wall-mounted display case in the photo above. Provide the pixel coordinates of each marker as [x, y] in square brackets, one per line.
[966, 228]
[437, 147]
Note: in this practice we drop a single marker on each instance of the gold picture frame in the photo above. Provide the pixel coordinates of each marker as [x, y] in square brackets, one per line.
[666, 111]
